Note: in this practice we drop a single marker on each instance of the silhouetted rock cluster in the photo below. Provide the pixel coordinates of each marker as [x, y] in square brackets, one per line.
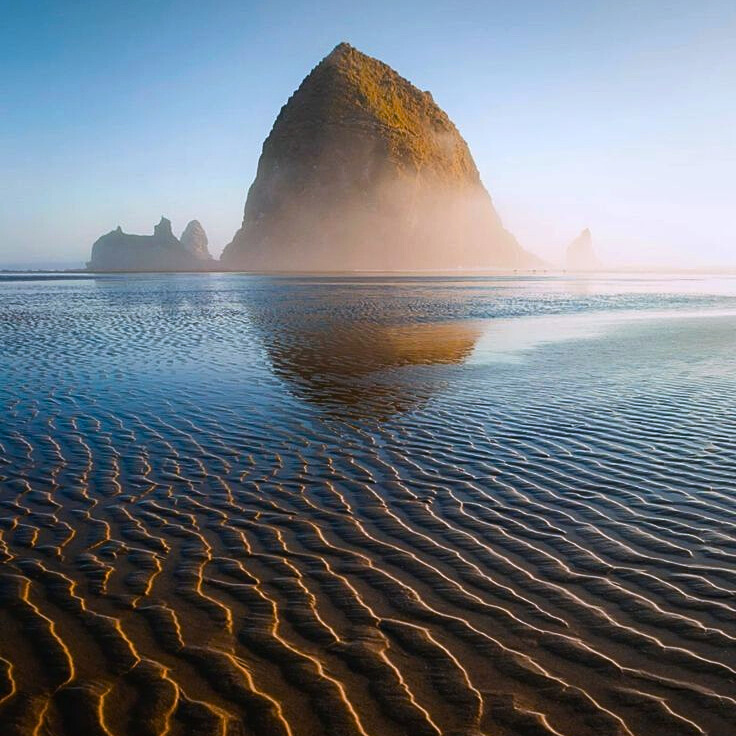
[162, 251]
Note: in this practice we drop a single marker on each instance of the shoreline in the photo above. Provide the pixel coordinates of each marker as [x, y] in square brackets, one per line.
[630, 271]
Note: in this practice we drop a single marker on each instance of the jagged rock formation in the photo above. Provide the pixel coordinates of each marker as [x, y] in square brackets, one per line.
[194, 240]
[580, 255]
[162, 251]
[363, 171]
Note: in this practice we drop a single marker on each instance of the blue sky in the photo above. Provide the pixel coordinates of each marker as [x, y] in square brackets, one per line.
[618, 116]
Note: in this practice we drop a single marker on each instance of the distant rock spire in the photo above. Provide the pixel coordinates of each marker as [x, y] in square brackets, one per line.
[163, 229]
[194, 239]
[580, 255]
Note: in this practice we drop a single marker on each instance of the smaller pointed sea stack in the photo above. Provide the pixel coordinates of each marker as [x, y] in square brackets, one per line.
[580, 255]
[194, 240]
[362, 171]
[119, 251]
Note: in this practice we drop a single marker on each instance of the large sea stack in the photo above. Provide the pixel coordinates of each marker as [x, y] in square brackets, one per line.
[162, 251]
[363, 171]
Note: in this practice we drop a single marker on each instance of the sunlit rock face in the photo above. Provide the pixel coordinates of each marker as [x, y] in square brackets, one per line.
[580, 255]
[162, 251]
[363, 171]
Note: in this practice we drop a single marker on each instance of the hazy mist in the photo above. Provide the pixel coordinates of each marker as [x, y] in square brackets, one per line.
[617, 118]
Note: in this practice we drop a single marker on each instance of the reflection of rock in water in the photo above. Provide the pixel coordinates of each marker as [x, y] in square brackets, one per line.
[355, 366]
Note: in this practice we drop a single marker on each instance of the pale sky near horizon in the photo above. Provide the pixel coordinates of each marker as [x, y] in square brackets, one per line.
[618, 116]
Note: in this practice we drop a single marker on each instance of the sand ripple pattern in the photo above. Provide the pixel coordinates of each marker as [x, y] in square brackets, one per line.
[234, 506]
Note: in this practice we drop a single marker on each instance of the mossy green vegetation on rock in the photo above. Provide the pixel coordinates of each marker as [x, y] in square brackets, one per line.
[363, 171]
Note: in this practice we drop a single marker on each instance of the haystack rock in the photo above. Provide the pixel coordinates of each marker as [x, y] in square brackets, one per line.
[363, 171]
[580, 255]
[162, 251]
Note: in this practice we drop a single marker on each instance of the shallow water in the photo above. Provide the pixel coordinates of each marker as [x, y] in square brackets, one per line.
[242, 505]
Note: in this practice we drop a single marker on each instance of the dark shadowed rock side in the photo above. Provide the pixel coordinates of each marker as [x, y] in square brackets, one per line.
[580, 255]
[363, 171]
[162, 251]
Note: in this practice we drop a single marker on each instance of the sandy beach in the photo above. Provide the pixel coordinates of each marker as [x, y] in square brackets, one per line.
[237, 505]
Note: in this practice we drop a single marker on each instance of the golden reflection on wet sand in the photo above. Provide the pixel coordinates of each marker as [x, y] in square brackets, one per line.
[337, 364]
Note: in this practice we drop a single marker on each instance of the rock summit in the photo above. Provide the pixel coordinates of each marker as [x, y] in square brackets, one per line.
[363, 171]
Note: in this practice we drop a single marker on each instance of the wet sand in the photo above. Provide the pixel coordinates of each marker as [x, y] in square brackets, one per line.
[234, 505]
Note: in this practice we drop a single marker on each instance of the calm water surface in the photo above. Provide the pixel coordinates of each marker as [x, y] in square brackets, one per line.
[245, 505]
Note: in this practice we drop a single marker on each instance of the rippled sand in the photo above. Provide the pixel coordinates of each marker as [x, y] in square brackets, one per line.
[234, 505]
